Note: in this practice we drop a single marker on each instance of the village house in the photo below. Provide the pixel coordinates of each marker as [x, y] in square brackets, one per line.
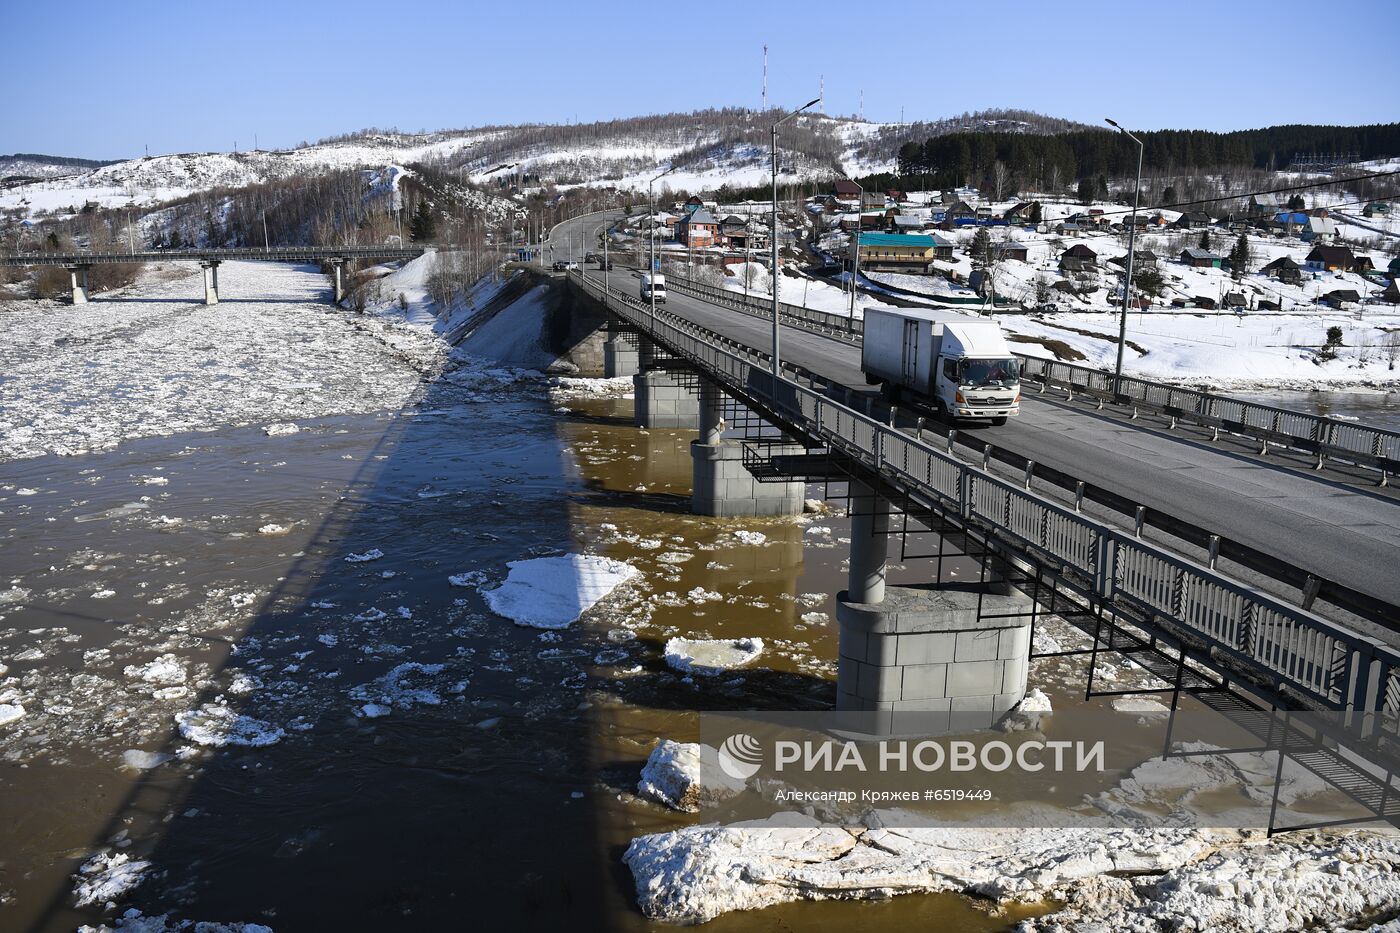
[1376, 209]
[1080, 254]
[697, 229]
[692, 204]
[1330, 259]
[1193, 220]
[896, 252]
[907, 223]
[1201, 258]
[1393, 270]
[1319, 230]
[1392, 292]
[846, 190]
[1341, 299]
[1012, 250]
[1020, 213]
[1285, 270]
[1235, 301]
[1142, 258]
[1264, 205]
[872, 201]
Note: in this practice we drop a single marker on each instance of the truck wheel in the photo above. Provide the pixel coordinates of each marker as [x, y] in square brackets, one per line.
[890, 392]
[999, 421]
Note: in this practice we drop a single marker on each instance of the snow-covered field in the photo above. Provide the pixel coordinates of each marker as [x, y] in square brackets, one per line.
[160, 362]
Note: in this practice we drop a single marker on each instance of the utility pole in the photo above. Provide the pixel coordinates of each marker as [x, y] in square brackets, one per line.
[1128, 281]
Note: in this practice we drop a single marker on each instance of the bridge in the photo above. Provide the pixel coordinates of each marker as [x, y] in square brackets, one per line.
[1245, 555]
[78, 263]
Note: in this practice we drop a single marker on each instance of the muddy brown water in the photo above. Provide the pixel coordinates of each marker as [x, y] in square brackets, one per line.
[501, 792]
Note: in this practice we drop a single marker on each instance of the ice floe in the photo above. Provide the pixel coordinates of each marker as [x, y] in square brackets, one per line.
[711, 657]
[685, 776]
[107, 876]
[552, 592]
[216, 725]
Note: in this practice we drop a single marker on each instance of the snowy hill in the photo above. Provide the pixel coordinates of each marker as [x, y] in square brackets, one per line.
[709, 148]
[29, 165]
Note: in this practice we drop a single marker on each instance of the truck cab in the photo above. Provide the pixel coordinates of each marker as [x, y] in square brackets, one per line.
[959, 364]
[653, 287]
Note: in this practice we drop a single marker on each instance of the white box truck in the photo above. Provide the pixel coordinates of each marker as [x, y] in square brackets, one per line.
[959, 364]
[654, 284]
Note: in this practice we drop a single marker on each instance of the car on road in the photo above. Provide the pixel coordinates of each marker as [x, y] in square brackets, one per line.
[605, 264]
[560, 265]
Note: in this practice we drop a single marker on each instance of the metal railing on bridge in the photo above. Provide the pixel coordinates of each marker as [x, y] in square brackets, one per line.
[1324, 437]
[1284, 648]
[247, 253]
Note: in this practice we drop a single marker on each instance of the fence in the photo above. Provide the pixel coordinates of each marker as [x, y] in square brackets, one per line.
[1278, 644]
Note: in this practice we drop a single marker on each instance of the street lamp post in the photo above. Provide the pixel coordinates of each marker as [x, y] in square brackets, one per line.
[267, 248]
[777, 366]
[1128, 282]
[855, 253]
[651, 269]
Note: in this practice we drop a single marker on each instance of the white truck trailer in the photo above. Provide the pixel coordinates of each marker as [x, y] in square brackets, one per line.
[958, 363]
[654, 285]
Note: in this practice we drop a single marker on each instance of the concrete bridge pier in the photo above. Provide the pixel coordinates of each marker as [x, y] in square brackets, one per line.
[950, 657]
[78, 275]
[338, 265]
[620, 350]
[211, 280]
[721, 484]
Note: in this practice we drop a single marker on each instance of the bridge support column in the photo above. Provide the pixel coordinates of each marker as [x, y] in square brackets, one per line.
[77, 274]
[211, 280]
[721, 484]
[664, 401]
[953, 657]
[620, 351]
[338, 265]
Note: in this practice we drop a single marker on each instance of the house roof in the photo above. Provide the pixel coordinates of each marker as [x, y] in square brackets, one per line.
[1235, 300]
[1322, 225]
[1283, 262]
[1331, 255]
[1080, 251]
[843, 186]
[1196, 216]
[701, 216]
[1011, 245]
[1195, 252]
[1342, 294]
[897, 239]
[907, 220]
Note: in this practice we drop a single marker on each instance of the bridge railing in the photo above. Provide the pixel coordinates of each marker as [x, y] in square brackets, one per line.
[273, 254]
[1316, 434]
[1276, 644]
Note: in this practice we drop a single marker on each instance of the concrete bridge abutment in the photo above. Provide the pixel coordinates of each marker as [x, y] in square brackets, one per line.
[211, 280]
[953, 657]
[78, 276]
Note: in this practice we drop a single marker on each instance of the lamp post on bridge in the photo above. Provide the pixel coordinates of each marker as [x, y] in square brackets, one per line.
[1128, 281]
[651, 269]
[855, 251]
[777, 366]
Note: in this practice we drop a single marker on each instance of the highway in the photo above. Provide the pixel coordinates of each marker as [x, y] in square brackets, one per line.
[1338, 532]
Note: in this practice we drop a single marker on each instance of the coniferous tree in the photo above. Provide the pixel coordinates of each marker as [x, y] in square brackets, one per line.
[982, 247]
[423, 226]
[1205, 238]
[1086, 190]
[1239, 256]
[1169, 194]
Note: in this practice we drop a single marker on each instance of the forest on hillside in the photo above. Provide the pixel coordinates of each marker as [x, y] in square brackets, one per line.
[1049, 162]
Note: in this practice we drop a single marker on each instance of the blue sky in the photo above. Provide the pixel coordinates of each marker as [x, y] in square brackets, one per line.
[216, 73]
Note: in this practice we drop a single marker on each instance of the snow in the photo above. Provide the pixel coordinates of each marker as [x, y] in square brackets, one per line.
[166, 670]
[10, 712]
[1211, 880]
[105, 877]
[367, 556]
[217, 726]
[404, 686]
[710, 657]
[552, 592]
[675, 775]
[162, 362]
[281, 429]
